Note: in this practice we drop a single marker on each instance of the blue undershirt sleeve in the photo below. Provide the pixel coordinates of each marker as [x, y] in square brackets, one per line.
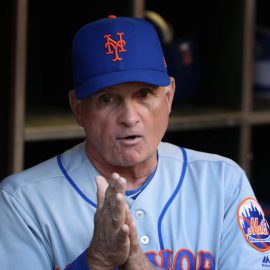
[79, 263]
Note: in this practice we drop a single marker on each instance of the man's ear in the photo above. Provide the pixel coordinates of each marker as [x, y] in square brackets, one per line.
[75, 106]
[169, 92]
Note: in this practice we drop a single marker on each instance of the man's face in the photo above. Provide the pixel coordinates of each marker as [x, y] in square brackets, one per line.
[125, 123]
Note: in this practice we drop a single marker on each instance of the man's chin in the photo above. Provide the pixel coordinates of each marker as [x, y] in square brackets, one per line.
[130, 162]
[129, 159]
[133, 159]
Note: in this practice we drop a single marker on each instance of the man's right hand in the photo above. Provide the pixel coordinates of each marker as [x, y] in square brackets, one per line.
[110, 245]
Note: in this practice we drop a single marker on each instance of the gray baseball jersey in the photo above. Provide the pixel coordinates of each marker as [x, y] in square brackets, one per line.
[198, 211]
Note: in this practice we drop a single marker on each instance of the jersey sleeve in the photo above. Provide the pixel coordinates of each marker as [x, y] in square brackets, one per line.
[245, 233]
[22, 245]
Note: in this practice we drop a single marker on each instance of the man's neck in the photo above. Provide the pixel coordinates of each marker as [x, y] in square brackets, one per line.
[134, 175]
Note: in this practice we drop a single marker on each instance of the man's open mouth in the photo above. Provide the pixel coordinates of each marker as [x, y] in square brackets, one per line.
[131, 139]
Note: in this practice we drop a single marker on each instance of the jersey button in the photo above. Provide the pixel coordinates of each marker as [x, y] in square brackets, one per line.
[139, 214]
[144, 239]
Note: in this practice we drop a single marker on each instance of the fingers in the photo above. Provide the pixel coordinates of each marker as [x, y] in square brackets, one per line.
[132, 229]
[116, 199]
[102, 186]
[118, 204]
[117, 184]
[110, 195]
[111, 233]
[119, 209]
[123, 234]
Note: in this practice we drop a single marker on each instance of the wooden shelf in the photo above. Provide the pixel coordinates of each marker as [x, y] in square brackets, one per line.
[44, 126]
[46, 133]
[259, 118]
[206, 120]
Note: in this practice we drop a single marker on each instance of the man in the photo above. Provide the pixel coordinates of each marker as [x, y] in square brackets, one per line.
[123, 199]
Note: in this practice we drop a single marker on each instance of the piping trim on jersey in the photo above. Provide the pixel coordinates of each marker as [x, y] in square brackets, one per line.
[172, 198]
[61, 166]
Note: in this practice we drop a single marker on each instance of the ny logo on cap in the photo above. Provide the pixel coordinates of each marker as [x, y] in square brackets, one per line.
[115, 47]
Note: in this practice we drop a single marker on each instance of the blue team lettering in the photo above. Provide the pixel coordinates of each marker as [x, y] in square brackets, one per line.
[183, 259]
[266, 260]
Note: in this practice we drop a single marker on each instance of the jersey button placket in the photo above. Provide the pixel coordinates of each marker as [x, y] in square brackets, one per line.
[139, 214]
[144, 239]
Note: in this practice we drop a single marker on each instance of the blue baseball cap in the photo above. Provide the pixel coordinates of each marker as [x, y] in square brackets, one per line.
[116, 50]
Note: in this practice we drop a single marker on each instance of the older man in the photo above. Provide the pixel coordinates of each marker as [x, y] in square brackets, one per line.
[123, 199]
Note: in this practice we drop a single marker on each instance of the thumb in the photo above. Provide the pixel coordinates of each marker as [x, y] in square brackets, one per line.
[102, 185]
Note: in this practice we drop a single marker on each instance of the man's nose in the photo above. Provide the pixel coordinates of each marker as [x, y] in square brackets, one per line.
[129, 114]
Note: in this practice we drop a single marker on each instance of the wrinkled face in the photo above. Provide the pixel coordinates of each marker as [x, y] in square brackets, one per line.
[125, 123]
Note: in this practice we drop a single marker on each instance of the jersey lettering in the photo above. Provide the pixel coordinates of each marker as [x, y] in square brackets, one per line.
[184, 259]
[206, 261]
[164, 258]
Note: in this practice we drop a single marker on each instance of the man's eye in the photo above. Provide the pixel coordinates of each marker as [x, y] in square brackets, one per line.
[145, 92]
[106, 99]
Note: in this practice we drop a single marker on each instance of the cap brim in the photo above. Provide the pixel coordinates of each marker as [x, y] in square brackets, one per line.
[95, 84]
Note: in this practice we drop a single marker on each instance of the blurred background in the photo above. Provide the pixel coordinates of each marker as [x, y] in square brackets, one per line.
[217, 50]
